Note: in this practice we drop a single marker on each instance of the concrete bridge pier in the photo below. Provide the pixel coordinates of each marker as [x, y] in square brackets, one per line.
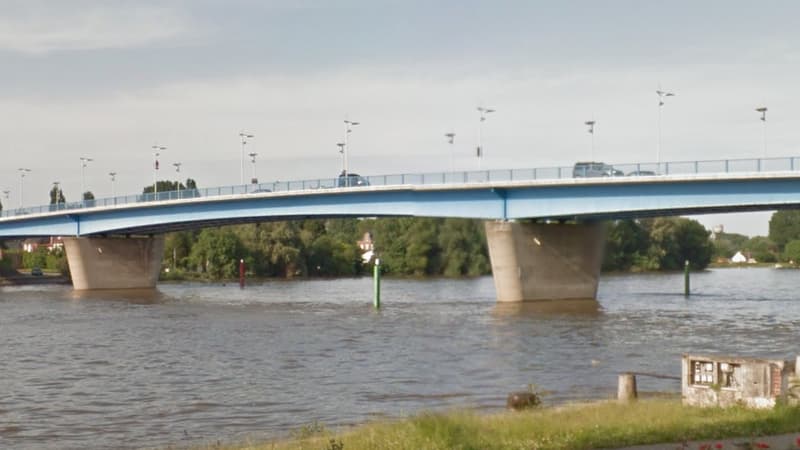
[537, 261]
[114, 262]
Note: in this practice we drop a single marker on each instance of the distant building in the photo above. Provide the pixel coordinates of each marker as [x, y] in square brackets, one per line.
[52, 243]
[718, 229]
[739, 258]
[367, 245]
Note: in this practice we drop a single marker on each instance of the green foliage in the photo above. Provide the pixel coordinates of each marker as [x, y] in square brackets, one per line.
[217, 253]
[627, 243]
[663, 243]
[88, 195]
[165, 186]
[792, 251]
[762, 249]
[43, 258]
[594, 425]
[407, 246]
[57, 196]
[727, 244]
[784, 226]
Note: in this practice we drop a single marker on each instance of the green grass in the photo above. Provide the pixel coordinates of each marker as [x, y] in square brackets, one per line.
[595, 425]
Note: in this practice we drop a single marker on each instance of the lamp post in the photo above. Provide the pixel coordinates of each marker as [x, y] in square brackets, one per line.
[348, 128]
[22, 172]
[661, 95]
[244, 137]
[341, 152]
[177, 166]
[451, 137]
[590, 124]
[483, 113]
[157, 149]
[763, 111]
[113, 176]
[252, 156]
[84, 162]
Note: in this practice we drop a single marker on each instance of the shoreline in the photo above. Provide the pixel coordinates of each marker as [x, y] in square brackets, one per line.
[646, 424]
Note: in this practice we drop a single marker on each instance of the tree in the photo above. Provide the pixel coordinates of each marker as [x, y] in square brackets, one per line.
[675, 240]
[784, 226]
[627, 243]
[88, 195]
[57, 196]
[463, 249]
[792, 251]
[217, 252]
[762, 249]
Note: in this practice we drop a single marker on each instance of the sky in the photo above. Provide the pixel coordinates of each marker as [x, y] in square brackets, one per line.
[109, 79]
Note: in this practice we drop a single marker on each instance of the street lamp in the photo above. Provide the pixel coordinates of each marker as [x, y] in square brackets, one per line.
[177, 166]
[157, 149]
[22, 172]
[244, 137]
[113, 176]
[661, 95]
[763, 111]
[348, 124]
[253, 155]
[483, 112]
[84, 162]
[451, 137]
[590, 124]
[341, 151]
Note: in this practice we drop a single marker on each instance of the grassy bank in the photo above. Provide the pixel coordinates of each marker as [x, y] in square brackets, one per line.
[596, 425]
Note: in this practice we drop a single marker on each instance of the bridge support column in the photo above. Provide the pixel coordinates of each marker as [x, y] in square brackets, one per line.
[534, 261]
[114, 262]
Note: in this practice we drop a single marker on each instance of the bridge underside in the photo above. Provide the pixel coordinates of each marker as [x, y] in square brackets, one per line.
[114, 262]
[534, 261]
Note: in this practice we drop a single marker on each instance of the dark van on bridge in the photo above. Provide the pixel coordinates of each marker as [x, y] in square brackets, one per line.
[351, 179]
[595, 169]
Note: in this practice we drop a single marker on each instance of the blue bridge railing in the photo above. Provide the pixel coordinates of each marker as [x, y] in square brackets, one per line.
[579, 170]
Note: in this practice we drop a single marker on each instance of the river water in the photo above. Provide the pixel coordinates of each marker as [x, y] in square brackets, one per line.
[196, 363]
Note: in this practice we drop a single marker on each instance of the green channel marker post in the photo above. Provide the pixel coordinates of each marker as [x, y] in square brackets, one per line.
[377, 277]
[686, 278]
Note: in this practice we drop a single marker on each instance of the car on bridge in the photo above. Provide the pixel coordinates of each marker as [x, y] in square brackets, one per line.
[590, 169]
[351, 179]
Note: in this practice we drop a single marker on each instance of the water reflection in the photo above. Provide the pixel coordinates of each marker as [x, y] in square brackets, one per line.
[134, 296]
[538, 309]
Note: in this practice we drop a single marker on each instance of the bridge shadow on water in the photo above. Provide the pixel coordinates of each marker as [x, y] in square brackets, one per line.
[133, 296]
[544, 308]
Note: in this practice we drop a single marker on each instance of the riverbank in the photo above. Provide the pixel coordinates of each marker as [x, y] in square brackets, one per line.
[604, 424]
[25, 279]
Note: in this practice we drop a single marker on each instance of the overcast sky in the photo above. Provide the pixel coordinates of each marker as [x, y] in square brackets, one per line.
[109, 79]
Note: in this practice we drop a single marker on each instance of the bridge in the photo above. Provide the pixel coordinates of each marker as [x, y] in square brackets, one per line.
[118, 242]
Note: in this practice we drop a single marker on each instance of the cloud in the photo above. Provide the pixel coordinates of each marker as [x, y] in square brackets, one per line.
[36, 29]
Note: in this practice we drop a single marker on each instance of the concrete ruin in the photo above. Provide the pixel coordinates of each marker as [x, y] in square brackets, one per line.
[727, 381]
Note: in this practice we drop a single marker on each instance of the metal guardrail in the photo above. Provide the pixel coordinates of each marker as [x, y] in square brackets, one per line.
[720, 166]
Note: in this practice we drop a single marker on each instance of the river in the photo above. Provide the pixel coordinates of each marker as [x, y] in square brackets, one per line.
[193, 363]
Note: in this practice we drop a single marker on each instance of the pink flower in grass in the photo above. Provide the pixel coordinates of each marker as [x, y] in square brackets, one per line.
[797, 441]
[762, 445]
[718, 445]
